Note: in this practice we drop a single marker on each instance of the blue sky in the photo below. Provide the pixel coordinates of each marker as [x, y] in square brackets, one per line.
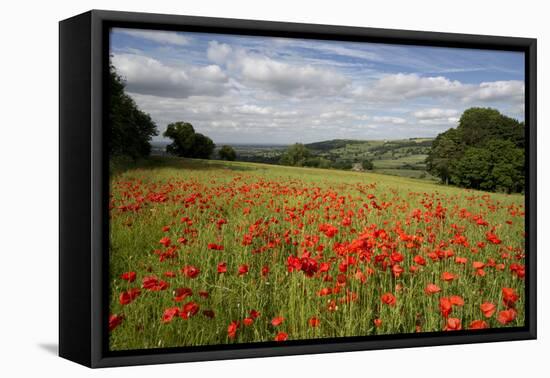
[243, 89]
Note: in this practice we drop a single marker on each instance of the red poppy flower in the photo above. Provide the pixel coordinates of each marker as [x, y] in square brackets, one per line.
[445, 306]
[216, 247]
[309, 266]
[248, 321]
[254, 314]
[447, 276]
[281, 336]
[129, 276]
[222, 267]
[127, 297]
[152, 283]
[488, 309]
[389, 299]
[324, 291]
[509, 297]
[169, 314]
[432, 289]
[191, 271]
[181, 293]
[478, 324]
[453, 324]
[203, 294]
[265, 271]
[277, 321]
[165, 241]
[324, 267]
[492, 238]
[169, 274]
[115, 321]
[478, 265]
[232, 329]
[419, 260]
[328, 229]
[397, 270]
[506, 316]
[314, 322]
[189, 309]
[377, 322]
[461, 260]
[243, 269]
[456, 300]
[208, 313]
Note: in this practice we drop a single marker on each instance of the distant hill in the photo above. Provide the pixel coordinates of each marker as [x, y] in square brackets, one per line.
[332, 144]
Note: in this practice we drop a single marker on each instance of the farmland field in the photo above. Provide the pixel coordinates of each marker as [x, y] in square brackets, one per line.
[207, 252]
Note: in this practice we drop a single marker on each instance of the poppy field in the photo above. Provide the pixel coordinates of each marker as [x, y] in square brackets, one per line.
[207, 252]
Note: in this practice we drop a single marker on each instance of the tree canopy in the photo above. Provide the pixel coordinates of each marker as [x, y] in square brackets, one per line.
[227, 153]
[131, 129]
[187, 143]
[485, 151]
[296, 155]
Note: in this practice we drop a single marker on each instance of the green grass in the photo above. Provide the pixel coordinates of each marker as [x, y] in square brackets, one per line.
[297, 200]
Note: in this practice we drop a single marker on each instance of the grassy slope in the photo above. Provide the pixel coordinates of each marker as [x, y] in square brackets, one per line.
[135, 235]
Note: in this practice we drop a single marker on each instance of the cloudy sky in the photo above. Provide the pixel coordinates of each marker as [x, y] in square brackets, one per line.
[243, 89]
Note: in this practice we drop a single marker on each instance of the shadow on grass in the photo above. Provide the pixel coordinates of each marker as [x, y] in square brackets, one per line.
[155, 162]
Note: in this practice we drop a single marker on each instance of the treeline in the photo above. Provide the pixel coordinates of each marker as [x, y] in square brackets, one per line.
[298, 155]
[131, 129]
[486, 151]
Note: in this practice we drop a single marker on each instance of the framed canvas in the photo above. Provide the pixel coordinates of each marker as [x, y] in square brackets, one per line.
[235, 188]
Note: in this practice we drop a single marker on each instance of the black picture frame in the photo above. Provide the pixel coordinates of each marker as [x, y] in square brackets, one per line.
[83, 196]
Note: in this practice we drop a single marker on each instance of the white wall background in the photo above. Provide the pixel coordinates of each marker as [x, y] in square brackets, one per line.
[29, 185]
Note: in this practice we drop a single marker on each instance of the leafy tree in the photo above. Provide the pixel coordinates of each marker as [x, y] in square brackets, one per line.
[480, 125]
[131, 129]
[186, 142]
[227, 153]
[367, 165]
[485, 151]
[295, 155]
[499, 166]
[317, 162]
[446, 148]
[473, 169]
[342, 164]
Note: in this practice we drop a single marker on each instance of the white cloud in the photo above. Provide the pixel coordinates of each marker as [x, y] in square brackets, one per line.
[435, 113]
[253, 109]
[218, 52]
[285, 79]
[400, 86]
[389, 119]
[162, 37]
[445, 121]
[498, 90]
[406, 86]
[149, 76]
[262, 72]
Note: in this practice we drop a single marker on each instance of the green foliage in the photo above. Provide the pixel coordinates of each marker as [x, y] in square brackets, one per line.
[367, 165]
[131, 129]
[186, 142]
[447, 147]
[497, 167]
[342, 164]
[485, 151]
[317, 162]
[295, 155]
[227, 153]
